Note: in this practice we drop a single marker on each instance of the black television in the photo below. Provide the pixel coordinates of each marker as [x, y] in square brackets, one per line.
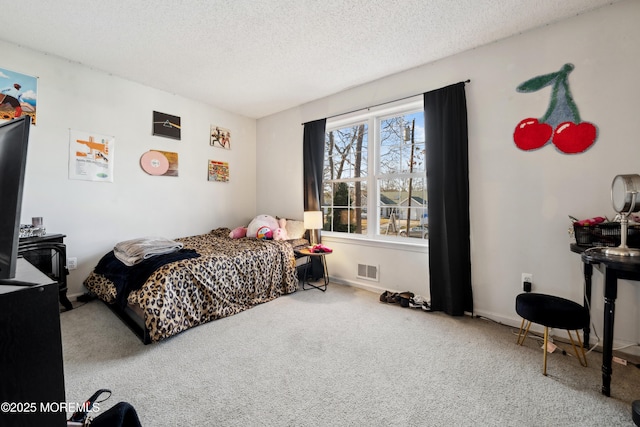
[14, 138]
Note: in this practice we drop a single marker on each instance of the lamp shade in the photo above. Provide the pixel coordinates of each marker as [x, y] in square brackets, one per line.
[313, 220]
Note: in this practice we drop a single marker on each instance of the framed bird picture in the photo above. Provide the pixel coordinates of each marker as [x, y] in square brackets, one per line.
[166, 125]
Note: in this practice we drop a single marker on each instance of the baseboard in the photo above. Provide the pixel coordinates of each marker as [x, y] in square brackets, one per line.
[354, 284]
[74, 297]
[507, 321]
[626, 350]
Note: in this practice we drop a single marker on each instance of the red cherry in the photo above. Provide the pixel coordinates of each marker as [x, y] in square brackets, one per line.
[574, 138]
[530, 134]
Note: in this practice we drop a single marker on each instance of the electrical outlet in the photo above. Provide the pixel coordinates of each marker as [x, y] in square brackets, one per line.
[527, 281]
[72, 263]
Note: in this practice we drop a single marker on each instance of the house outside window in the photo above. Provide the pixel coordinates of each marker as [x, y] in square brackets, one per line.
[374, 180]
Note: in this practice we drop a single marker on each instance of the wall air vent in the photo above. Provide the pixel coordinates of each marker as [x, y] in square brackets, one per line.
[368, 272]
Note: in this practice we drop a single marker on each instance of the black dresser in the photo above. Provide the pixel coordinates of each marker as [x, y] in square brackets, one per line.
[31, 364]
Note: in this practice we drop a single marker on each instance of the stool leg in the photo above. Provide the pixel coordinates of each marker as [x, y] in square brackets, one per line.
[522, 337]
[544, 349]
[582, 359]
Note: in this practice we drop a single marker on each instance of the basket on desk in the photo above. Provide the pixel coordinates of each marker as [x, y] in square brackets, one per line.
[605, 234]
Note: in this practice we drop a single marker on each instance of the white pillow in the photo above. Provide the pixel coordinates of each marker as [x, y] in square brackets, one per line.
[295, 229]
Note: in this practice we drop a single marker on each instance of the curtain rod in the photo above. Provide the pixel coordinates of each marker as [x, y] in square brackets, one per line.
[382, 103]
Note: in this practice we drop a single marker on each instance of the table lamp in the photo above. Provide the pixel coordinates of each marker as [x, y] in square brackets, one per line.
[313, 223]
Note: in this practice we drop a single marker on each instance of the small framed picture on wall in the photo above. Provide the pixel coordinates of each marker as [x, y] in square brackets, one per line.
[18, 95]
[220, 137]
[166, 125]
[218, 171]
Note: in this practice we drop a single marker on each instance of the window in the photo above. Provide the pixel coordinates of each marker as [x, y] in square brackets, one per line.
[374, 181]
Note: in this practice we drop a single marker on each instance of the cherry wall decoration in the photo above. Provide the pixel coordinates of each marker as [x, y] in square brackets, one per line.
[561, 124]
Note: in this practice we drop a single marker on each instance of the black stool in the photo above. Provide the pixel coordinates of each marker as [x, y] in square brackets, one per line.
[552, 312]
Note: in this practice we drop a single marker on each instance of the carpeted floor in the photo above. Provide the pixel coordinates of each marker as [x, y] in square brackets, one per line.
[339, 358]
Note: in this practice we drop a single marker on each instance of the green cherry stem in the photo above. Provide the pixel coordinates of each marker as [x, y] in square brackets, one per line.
[562, 105]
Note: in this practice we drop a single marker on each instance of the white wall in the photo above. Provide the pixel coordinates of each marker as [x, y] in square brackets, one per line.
[520, 201]
[95, 216]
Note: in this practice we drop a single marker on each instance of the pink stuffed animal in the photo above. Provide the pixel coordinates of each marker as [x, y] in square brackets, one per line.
[238, 232]
[261, 221]
[280, 233]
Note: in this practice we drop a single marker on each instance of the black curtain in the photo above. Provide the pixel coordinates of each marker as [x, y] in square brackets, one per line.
[445, 113]
[313, 165]
[313, 154]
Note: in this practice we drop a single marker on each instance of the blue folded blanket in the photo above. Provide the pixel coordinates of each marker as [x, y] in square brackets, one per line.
[127, 279]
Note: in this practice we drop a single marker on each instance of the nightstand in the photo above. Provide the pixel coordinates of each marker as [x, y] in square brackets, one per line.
[48, 254]
[307, 253]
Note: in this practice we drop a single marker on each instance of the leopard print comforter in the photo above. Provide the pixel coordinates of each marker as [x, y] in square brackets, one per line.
[230, 276]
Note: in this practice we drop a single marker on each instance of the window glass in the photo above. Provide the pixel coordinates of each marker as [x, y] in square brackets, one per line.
[379, 177]
[345, 182]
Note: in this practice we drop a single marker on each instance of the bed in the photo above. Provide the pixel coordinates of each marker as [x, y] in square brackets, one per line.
[226, 277]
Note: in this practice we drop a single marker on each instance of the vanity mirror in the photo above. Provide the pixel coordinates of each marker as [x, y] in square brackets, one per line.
[624, 197]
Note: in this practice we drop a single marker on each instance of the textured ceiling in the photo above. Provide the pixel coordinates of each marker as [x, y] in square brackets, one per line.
[258, 57]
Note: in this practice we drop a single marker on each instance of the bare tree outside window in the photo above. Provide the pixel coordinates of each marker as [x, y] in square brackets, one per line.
[392, 173]
[345, 179]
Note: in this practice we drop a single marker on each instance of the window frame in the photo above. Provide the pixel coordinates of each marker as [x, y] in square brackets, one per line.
[372, 117]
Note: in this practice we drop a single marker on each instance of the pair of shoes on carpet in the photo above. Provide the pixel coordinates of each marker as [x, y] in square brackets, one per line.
[419, 302]
[401, 298]
[389, 297]
[405, 299]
